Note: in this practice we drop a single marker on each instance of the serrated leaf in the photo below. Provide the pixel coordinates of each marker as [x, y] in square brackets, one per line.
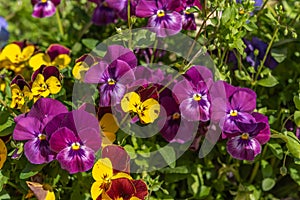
[270, 81]
[30, 170]
[268, 184]
[297, 102]
[297, 118]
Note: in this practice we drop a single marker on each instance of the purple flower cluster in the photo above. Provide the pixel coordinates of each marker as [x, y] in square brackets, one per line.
[51, 132]
[189, 104]
[165, 17]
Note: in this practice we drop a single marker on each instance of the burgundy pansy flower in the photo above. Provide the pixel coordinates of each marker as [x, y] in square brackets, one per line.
[163, 19]
[193, 94]
[246, 145]
[174, 127]
[113, 74]
[236, 105]
[31, 128]
[44, 8]
[75, 137]
[119, 158]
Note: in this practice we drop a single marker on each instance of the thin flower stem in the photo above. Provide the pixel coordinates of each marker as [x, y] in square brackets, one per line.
[60, 27]
[256, 166]
[154, 50]
[129, 25]
[84, 29]
[266, 54]
[8, 108]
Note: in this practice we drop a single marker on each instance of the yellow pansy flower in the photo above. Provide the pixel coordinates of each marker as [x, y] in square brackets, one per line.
[147, 110]
[42, 87]
[19, 96]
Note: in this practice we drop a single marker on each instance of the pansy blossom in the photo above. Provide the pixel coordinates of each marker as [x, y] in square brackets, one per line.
[20, 93]
[31, 128]
[46, 81]
[163, 19]
[56, 55]
[75, 137]
[44, 8]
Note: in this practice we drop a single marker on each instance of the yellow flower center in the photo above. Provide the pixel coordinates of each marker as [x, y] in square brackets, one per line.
[111, 81]
[186, 11]
[42, 137]
[75, 146]
[245, 136]
[233, 113]
[160, 13]
[44, 1]
[197, 97]
[176, 116]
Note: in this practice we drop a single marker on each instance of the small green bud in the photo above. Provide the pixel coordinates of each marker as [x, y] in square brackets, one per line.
[294, 35]
[286, 31]
[283, 171]
[133, 19]
[119, 30]
[256, 52]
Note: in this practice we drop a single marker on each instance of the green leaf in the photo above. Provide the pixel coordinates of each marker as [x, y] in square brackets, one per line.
[30, 170]
[270, 81]
[295, 173]
[276, 149]
[297, 102]
[8, 127]
[4, 195]
[3, 180]
[297, 118]
[90, 43]
[268, 184]
[176, 170]
[266, 169]
[226, 15]
[194, 183]
[130, 150]
[193, 9]
[293, 144]
[279, 54]
[168, 153]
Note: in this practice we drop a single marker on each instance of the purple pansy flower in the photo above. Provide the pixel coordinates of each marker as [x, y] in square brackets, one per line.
[4, 34]
[113, 74]
[258, 45]
[236, 105]
[246, 146]
[163, 19]
[75, 137]
[193, 95]
[174, 127]
[188, 20]
[44, 8]
[31, 128]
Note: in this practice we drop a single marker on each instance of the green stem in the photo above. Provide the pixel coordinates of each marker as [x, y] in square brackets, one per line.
[60, 27]
[83, 30]
[129, 25]
[8, 108]
[153, 53]
[266, 54]
[256, 166]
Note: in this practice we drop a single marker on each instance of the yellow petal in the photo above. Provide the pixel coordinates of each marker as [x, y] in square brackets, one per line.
[151, 111]
[79, 69]
[50, 196]
[3, 153]
[39, 59]
[27, 52]
[27, 93]
[62, 61]
[12, 52]
[122, 175]
[39, 87]
[96, 190]
[130, 101]
[17, 97]
[102, 169]
[53, 84]
[109, 127]
[134, 198]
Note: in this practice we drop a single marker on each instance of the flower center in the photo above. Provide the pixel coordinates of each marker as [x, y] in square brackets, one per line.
[186, 10]
[75, 146]
[42, 137]
[245, 136]
[197, 97]
[176, 116]
[233, 113]
[44, 1]
[160, 13]
[111, 81]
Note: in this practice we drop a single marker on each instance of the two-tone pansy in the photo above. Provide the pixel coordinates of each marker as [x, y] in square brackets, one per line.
[55, 55]
[45, 81]
[188, 19]
[163, 19]
[20, 93]
[30, 128]
[82, 65]
[44, 8]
